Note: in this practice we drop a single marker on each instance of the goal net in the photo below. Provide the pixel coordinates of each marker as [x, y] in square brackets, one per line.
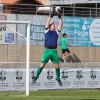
[14, 57]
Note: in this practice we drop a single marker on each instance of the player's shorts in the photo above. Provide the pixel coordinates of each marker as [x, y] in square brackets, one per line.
[50, 54]
[65, 50]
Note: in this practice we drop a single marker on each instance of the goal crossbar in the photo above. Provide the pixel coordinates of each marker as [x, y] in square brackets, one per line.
[27, 49]
[15, 22]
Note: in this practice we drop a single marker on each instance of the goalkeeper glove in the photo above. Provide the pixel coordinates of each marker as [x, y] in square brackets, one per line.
[52, 13]
[59, 14]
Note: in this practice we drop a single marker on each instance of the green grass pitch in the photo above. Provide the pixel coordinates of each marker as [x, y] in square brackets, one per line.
[58, 95]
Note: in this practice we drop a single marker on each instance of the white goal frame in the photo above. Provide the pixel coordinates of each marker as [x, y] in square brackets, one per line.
[27, 49]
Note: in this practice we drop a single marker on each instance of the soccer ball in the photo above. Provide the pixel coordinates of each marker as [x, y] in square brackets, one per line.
[58, 9]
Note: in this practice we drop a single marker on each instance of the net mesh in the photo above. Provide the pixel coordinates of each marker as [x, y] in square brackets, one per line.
[13, 61]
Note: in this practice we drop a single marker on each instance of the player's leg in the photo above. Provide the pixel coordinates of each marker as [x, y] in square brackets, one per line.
[57, 69]
[39, 70]
[64, 54]
[55, 61]
[45, 59]
[67, 53]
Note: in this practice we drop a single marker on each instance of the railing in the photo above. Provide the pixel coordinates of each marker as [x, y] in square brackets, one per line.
[67, 10]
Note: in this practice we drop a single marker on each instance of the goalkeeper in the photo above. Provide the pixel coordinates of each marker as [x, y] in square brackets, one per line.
[50, 44]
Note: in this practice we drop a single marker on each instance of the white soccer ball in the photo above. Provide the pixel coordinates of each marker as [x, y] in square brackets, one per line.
[58, 8]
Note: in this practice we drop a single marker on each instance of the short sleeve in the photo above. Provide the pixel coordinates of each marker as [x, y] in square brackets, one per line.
[46, 30]
[57, 31]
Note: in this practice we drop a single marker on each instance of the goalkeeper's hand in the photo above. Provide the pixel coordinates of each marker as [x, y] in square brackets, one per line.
[52, 12]
[59, 14]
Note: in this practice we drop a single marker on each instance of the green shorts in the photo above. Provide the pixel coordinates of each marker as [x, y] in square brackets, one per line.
[50, 54]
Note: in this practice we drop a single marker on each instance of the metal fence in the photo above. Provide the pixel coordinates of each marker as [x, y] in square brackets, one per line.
[78, 10]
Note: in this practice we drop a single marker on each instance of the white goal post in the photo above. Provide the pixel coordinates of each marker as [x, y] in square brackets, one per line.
[27, 49]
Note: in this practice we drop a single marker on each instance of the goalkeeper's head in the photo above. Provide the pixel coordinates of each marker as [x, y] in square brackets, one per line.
[52, 26]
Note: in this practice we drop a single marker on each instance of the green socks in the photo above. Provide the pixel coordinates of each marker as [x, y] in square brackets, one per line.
[39, 70]
[57, 73]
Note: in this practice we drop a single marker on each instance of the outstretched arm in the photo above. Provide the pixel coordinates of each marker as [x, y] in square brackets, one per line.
[48, 22]
[49, 19]
[60, 24]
